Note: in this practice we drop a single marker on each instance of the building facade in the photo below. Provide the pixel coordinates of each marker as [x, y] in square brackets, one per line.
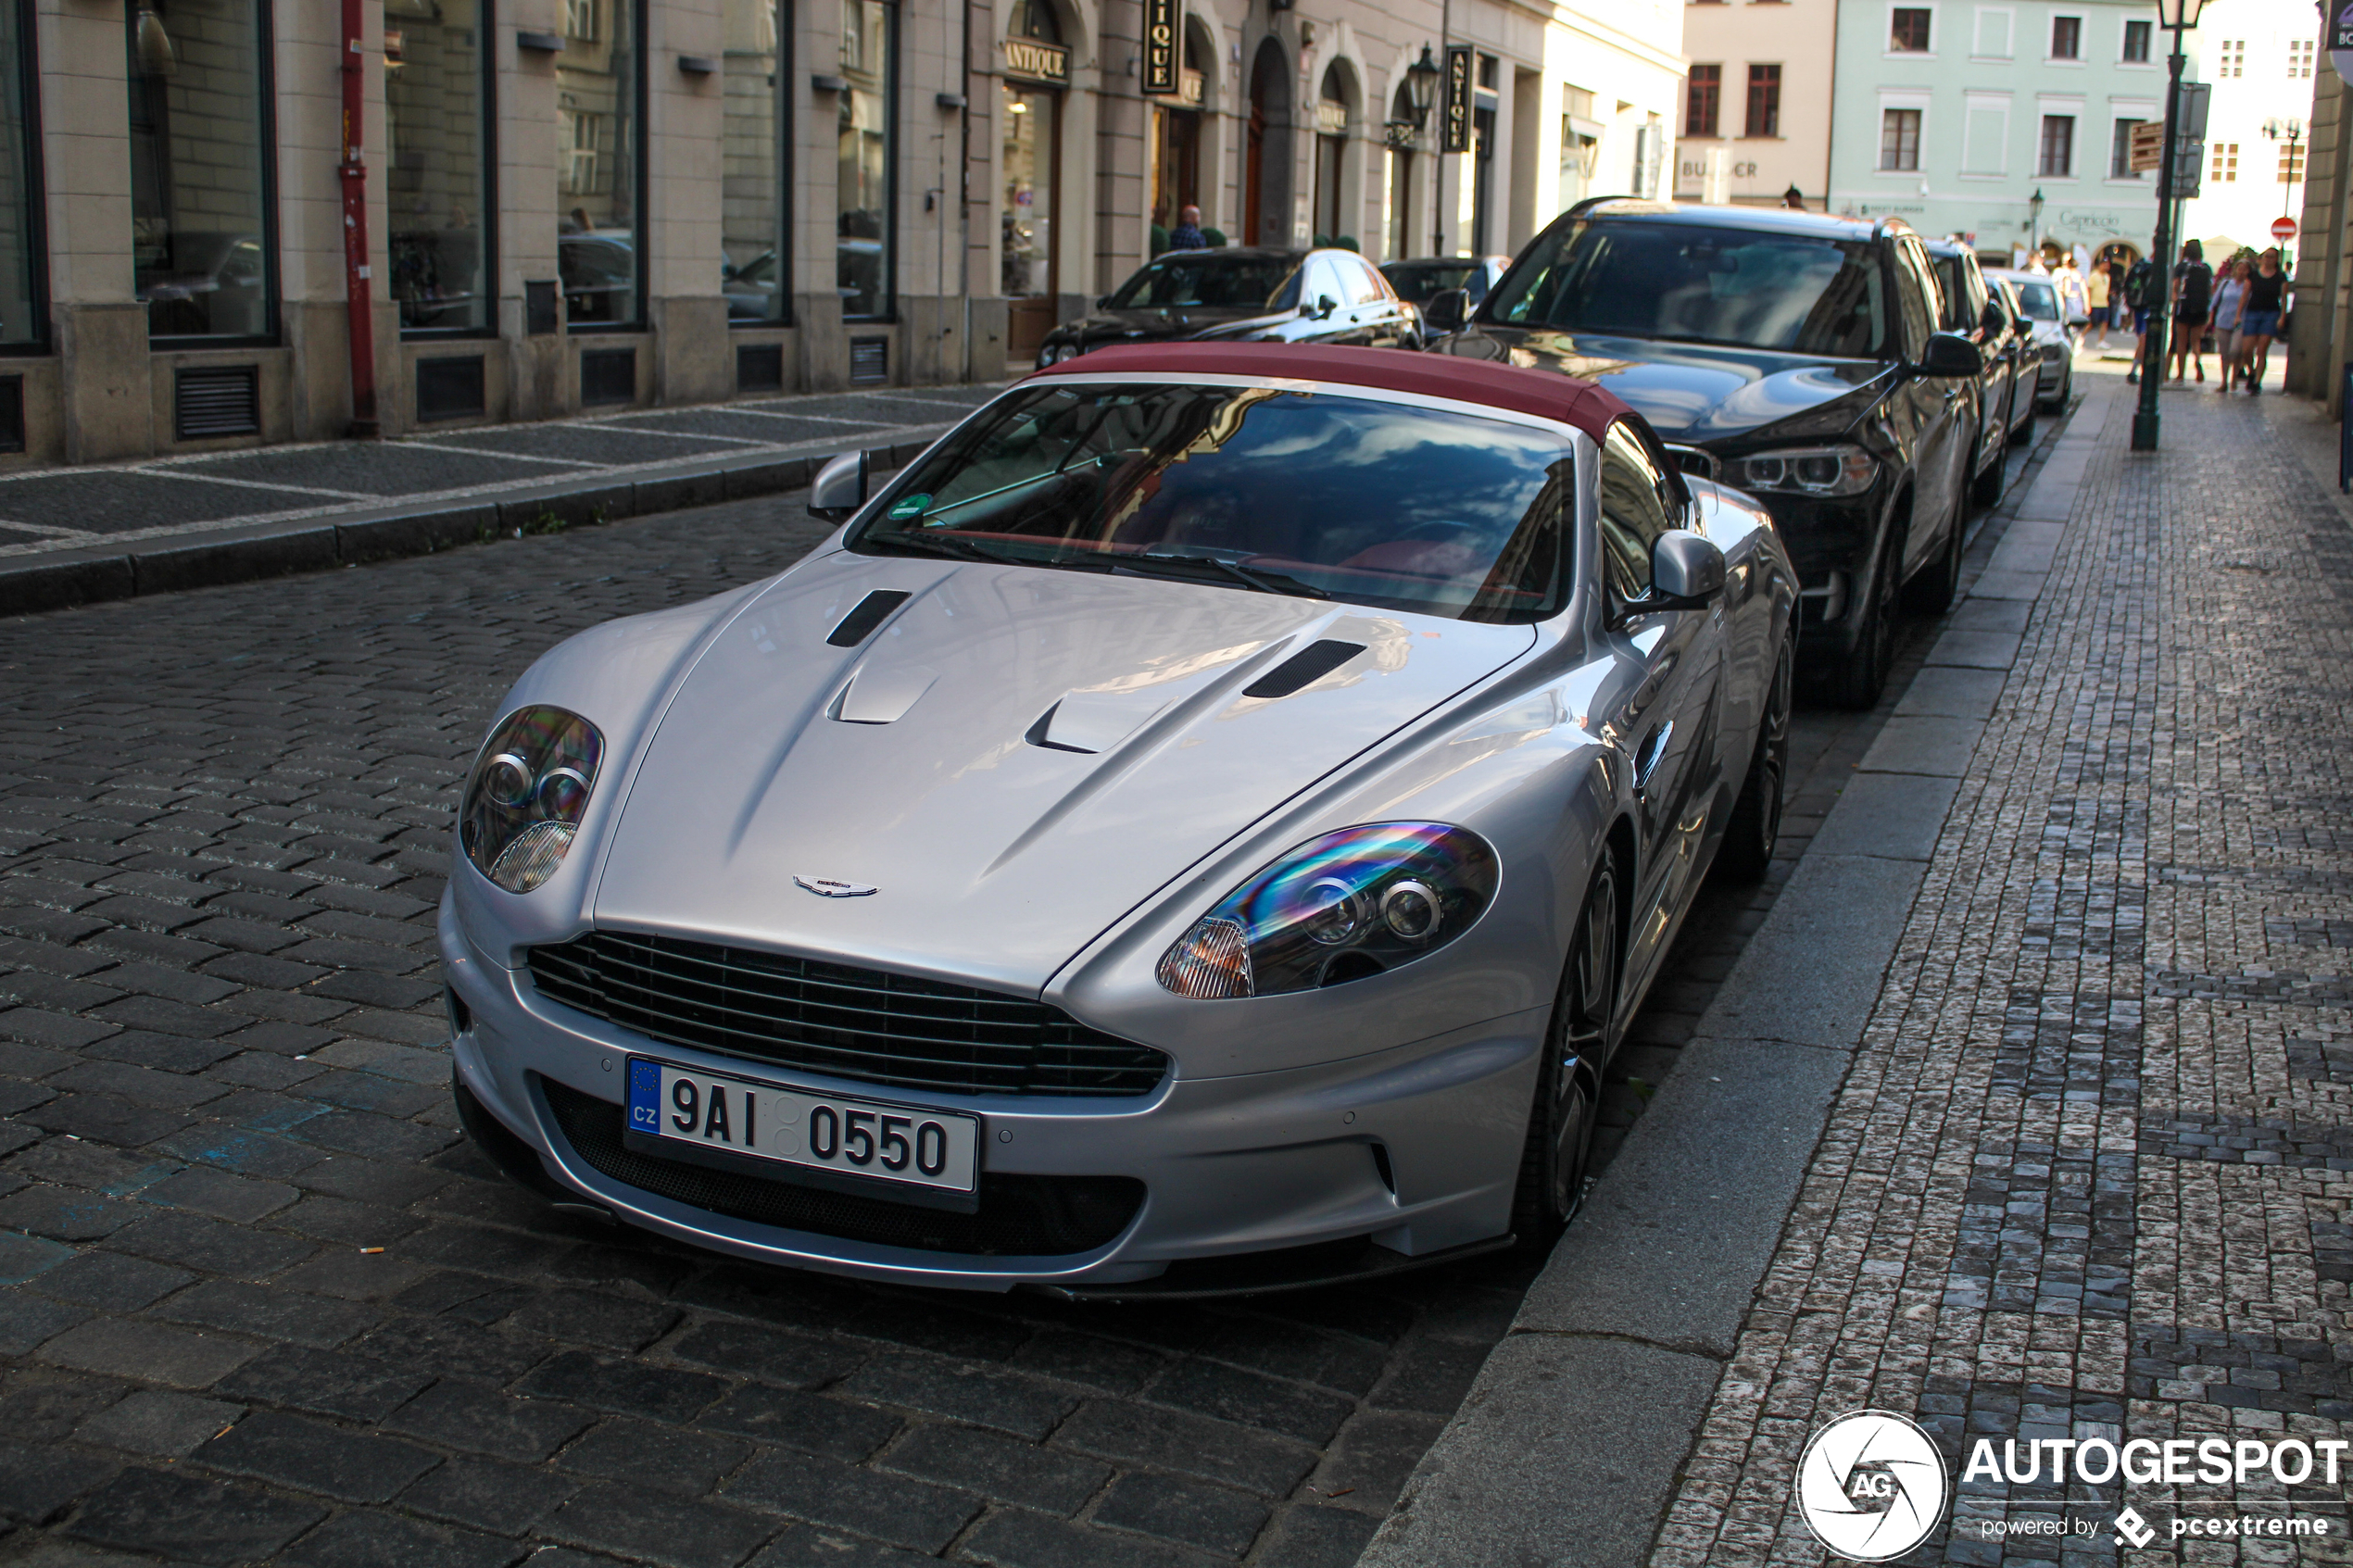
[1756, 107]
[2257, 58]
[2006, 124]
[575, 204]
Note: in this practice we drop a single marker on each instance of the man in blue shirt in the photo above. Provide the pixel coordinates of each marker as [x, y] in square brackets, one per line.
[1186, 236]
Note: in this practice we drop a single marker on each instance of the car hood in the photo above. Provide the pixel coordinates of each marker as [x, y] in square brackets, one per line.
[1691, 393]
[1104, 327]
[913, 765]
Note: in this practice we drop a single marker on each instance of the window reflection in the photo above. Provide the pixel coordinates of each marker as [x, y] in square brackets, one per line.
[433, 167]
[199, 221]
[598, 127]
[752, 233]
[864, 231]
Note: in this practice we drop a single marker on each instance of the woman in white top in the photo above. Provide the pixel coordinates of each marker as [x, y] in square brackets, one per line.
[2230, 304]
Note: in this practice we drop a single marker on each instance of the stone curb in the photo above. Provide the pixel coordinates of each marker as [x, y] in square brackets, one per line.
[246, 553]
[1571, 1443]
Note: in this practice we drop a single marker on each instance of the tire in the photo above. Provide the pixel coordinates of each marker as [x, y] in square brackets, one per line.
[1939, 583]
[1559, 1144]
[1756, 826]
[1985, 490]
[1863, 676]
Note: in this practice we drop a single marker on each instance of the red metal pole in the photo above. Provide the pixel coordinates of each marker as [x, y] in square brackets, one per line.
[355, 228]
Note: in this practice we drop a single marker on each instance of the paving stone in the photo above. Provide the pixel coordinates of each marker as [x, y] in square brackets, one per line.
[741, 1349]
[624, 1387]
[1310, 1415]
[999, 1467]
[983, 1397]
[64, 1213]
[218, 1193]
[180, 1358]
[665, 1458]
[37, 1485]
[463, 1416]
[489, 1495]
[110, 1282]
[267, 1313]
[364, 1538]
[181, 1516]
[593, 1319]
[1014, 1537]
[1213, 1518]
[1117, 1429]
[326, 1383]
[27, 1321]
[679, 1535]
[811, 1423]
[311, 1456]
[158, 1424]
[214, 1246]
[910, 1513]
[806, 1546]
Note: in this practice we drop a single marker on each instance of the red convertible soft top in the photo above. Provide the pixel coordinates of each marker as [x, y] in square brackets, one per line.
[1541, 393]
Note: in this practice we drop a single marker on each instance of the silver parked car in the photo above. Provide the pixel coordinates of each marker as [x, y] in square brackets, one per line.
[2035, 300]
[1201, 826]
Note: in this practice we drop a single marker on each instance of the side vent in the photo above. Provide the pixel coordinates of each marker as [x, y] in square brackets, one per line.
[1304, 668]
[449, 389]
[608, 375]
[225, 400]
[760, 367]
[871, 612]
[869, 362]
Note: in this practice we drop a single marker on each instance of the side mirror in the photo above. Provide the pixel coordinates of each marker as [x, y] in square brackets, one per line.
[1324, 306]
[1446, 310]
[1103, 301]
[839, 488]
[1949, 355]
[1687, 572]
[1992, 319]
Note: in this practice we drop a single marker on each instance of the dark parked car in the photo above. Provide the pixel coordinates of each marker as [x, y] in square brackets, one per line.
[1244, 296]
[1416, 280]
[1793, 355]
[1972, 312]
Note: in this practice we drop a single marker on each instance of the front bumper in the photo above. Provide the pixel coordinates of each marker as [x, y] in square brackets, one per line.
[1246, 1164]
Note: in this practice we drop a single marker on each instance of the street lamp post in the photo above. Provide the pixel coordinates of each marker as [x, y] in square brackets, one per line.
[2176, 15]
[1421, 86]
[2033, 226]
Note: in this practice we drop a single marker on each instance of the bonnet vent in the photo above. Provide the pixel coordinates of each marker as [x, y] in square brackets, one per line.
[1304, 668]
[872, 611]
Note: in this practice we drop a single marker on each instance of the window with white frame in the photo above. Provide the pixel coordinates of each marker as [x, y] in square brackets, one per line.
[1899, 140]
[1907, 29]
[2136, 43]
[2119, 151]
[2067, 38]
[583, 133]
[2057, 155]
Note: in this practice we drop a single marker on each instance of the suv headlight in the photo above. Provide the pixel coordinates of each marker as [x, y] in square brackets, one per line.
[526, 794]
[1339, 907]
[1807, 470]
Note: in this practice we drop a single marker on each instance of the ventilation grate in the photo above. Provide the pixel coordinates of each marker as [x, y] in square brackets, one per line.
[540, 307]
[608, 375]
[869, 362]
[222, 400]
[11, 413]
[449, 389]
[760, 367]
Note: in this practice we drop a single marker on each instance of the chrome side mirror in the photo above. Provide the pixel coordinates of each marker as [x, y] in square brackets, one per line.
[839, 488]
[1687, 572]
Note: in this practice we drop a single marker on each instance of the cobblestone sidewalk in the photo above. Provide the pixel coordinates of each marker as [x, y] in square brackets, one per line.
[2092, 1172]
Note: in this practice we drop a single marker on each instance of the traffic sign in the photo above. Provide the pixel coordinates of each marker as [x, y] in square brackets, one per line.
[2283, 229]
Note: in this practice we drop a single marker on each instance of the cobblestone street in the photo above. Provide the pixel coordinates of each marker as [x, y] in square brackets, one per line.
[2091, 1173]
[262, 1304]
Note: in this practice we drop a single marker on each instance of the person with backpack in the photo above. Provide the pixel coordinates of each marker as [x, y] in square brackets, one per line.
[2193, 299]
[2229, 307]
[2138, 284]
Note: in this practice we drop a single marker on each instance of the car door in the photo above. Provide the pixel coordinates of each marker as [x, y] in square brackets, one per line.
[1380, 316]
[1944, 411]
[1319, 280]
[1669, 720]
[1966, 298]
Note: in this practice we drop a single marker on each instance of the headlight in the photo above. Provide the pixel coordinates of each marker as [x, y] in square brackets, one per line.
[2052, 351]
[1339, 907]
[526, 794]
[1055, 353]
[1810, 470]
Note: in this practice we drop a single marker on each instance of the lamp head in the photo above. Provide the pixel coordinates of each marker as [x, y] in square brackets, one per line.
[2178, 13]
[1421, 84]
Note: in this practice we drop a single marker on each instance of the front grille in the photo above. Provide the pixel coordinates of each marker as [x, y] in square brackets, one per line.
[839, 1020]
[1019, 1216]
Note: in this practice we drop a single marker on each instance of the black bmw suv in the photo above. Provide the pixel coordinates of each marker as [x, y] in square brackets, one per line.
[1792, 355]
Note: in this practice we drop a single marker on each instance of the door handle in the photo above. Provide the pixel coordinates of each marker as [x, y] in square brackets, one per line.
[1646, 760]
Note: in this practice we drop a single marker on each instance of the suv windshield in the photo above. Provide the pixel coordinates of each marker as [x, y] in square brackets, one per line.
[1690, 284]
[1418, 282]
[1251, 487]
[1244, 283]
[2040, 301]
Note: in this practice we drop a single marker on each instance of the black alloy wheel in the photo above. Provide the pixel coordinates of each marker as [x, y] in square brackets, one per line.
[1560, 1124]
[1863, 675]
[1756, 826]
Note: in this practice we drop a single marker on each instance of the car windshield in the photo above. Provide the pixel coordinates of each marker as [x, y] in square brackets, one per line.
[1242, 283]
[1275, 489]
[2040, 301]
[1690, 284]
[1417, 284]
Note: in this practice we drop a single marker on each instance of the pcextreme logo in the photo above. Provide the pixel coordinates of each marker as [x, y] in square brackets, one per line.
[1871, 1486]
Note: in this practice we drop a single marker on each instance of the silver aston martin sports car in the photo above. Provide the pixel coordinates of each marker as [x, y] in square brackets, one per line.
[1202, 826]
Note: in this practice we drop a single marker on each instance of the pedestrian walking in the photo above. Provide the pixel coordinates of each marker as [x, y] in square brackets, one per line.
[2266, 294]
[2097, 295]
[1186, 236]
[2074, 303]
[2230, 304]
[2193, 300]
[2140, 296]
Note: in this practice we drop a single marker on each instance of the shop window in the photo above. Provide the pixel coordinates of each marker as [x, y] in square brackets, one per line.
[23, 318]
[202, 236]
[600, 95]
[756, 163]
[865, 160]
[436, 164]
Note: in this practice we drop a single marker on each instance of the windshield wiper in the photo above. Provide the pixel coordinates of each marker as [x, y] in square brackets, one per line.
[951, 544]
[1263, 582]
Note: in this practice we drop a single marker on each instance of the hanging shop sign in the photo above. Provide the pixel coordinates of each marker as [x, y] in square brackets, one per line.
[1048, 63]
[1456, 125]
[1161, 22]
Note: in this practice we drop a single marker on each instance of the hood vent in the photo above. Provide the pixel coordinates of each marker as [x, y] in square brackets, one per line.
[1303, 669]
[872, 611]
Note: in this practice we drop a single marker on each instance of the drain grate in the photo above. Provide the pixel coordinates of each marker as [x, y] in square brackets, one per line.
[218, 400]
[869, 362]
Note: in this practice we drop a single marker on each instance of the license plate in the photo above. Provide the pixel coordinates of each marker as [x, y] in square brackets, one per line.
[850, 1138]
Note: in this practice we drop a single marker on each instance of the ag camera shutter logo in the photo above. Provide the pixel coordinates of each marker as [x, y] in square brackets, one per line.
[1871, 1486]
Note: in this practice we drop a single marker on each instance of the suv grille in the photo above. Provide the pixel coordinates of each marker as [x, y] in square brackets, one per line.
[843, 1021]
[1020, 1216]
